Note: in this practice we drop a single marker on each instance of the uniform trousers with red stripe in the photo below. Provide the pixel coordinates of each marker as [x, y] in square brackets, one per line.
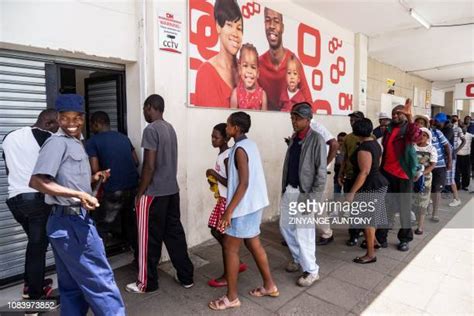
[158, 221]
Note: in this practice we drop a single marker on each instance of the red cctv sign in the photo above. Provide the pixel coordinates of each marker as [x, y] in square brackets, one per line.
[169, 33]
[464, 91]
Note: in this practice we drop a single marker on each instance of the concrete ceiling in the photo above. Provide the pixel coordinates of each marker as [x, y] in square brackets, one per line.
[443, 55]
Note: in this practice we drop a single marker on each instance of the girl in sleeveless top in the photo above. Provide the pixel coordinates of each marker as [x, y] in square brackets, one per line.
[219, 180]
[247, 197]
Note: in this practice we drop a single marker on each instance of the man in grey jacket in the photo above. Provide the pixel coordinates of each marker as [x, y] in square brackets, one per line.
[304, 178]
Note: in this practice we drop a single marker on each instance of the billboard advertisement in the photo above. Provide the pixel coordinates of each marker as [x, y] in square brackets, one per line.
[247, 56]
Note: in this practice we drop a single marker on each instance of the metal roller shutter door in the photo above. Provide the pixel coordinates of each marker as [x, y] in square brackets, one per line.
[22, 98]
[102, 96]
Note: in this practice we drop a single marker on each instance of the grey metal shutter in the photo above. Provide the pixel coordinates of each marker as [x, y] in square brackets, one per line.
[22, 98]
[102, 96]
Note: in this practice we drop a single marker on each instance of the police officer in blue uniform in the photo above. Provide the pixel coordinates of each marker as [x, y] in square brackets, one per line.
[63, 174]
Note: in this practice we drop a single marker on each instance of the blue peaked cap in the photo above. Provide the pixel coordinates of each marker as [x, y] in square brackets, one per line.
[441, 117]
[70, 103]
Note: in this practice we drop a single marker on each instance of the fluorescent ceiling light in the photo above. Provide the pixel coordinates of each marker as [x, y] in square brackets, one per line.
[420, 19]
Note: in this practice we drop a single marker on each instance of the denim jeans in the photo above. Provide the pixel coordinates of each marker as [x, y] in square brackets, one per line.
[30, 211]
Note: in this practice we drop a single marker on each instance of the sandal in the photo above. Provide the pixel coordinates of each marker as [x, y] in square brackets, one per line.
[435, 219]
[215, 283]
[364, 261]
[261, 292]
[223, 303]
[418, 231]
[243, 267]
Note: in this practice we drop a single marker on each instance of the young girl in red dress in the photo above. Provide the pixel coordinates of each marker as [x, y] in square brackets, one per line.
[219, 173]
[292, 94]
[248, 94]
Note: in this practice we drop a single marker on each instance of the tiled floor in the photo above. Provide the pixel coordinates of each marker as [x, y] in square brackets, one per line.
[434, 277]
[439, 279]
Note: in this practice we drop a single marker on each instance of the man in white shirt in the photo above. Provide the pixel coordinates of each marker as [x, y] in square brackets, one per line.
[331, 147]
[20, 152]
[463, 164]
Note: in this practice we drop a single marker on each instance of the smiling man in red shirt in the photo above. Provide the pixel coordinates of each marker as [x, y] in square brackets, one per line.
[273, 62]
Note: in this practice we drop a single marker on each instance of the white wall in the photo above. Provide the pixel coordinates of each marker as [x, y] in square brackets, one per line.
[405, 84]
[106, 29]
[437, 97]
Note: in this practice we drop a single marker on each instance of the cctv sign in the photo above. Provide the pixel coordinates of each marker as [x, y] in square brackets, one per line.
[464, 91]
[169, 33]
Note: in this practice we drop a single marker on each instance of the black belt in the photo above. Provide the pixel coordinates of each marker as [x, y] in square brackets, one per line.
[29, 196]
[67, 210]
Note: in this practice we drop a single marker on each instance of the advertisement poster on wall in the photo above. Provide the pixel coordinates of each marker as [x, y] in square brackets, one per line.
[296, 61]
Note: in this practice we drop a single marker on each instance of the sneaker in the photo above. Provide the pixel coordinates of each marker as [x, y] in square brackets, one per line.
[186, 286]
[292, 267]
[133, 288]
[403, 246]
[307, 279]
[455, 202]
[47, 289]
[351, 242]
[53, 304]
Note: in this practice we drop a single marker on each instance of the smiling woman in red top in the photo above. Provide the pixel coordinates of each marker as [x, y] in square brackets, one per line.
[217, 77]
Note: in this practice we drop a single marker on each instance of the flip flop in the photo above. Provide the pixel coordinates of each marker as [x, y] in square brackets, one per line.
[261, 292]
[223, 303]
[243, 267]
[215, 283]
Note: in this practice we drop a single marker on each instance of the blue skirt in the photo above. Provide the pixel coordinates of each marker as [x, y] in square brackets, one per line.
[247, 226]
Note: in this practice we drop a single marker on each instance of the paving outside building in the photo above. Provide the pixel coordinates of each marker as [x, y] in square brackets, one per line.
[435, 277]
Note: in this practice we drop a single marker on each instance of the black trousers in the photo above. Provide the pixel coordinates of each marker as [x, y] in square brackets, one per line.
[463, 171]
[398, 200]
[31, 212]
[116, 215]
[472, 156]
[164, 225]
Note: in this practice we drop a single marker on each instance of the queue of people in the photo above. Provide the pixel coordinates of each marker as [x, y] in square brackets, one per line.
[399, 167]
